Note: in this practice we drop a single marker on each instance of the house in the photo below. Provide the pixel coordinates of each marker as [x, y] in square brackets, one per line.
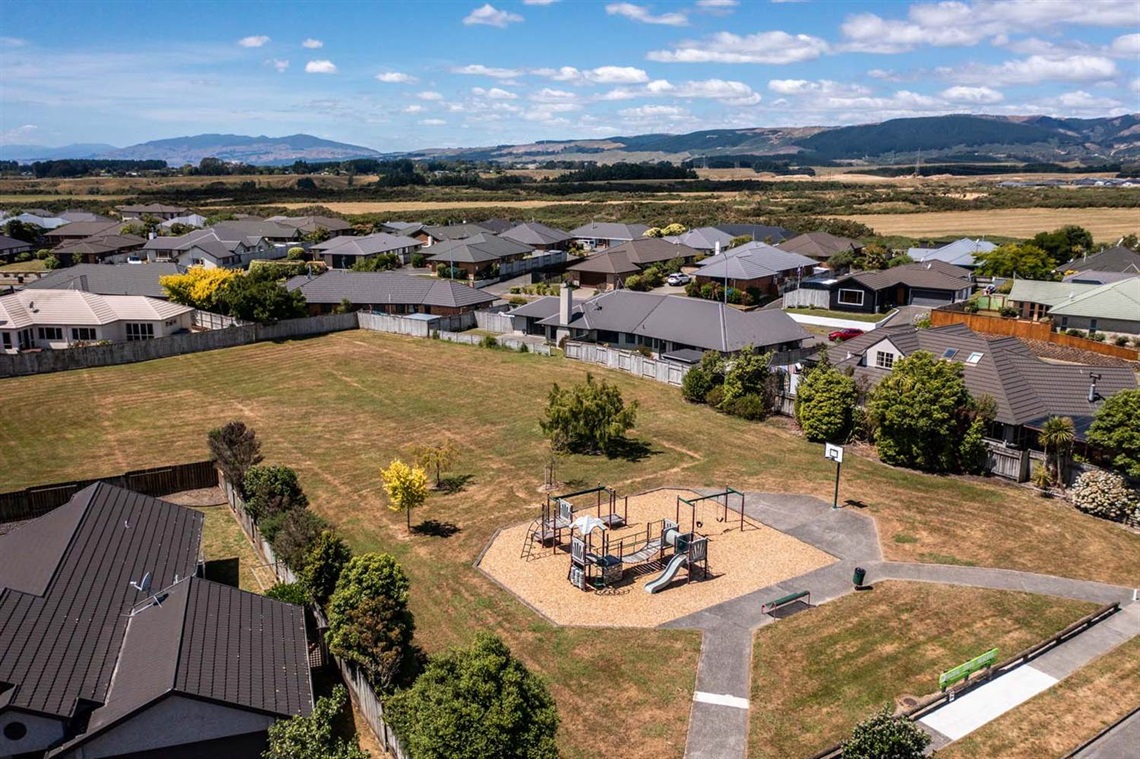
[958, 253]
[758, 232]
[388, 292]
[820, 245]
[431, 235]
[80, 230]
[270, 231]
[669, 323]
[707, 240]
[344, 252]
[221, 246]
[310, 224]
[55, 319]
[10, 247]
[754, 266]
[600, 235]
[79, 215]
[1091, 277]
[405, 228]
[538, 236]
[113, 645]
[478, 256]
[527, 318]
[159, 211]
[1114, 307]
[609, 269]
[109, 280]
[931, 284]
[1033, 298]
[189, 220]
[1118, 259]
[101, 249]
[1026, 389]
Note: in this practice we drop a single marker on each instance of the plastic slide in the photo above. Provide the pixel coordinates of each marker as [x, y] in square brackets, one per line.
[666, 577]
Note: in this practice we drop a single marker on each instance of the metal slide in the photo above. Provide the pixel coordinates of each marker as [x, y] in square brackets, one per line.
[666, 577]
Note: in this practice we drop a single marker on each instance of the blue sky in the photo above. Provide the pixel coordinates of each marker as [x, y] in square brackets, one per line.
[406, 75]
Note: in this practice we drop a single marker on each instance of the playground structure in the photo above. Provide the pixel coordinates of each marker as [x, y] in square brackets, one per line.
[596, 562]
[724, 499]
[559, 513]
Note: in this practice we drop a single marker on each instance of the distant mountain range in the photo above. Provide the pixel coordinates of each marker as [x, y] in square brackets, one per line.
[933, 139]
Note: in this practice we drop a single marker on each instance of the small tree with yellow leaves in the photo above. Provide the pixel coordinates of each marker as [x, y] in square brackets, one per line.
[198, 287]
[406, 486]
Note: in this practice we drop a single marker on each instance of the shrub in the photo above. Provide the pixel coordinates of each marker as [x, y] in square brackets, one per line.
[235, 448]
[972, 453]
[749, 373]
[419, 260]
[1098, 336]
[715, 396]
[51, 263]
[884, 736]
[1074, 333]
[971, 307]
[750, 406]
[314, 736]
[272, 490]
[489, 341]
[326, 560]
[1120, 341]
[825, 404]
[1106, 495]
[294, 535]
[1116, 431]
[289, 592]
[644, 351]
[24, 257]
[296, 253]
[1009, 312]
[703, 377]
[517, 300]
[1042, 477]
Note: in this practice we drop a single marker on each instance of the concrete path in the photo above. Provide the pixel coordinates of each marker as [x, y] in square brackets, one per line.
[718, 726]
[1121, 741]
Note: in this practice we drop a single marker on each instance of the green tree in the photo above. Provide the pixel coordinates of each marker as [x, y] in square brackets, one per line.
[250, 298]
[1064, 244]
[369, 620]
[323, 566]
[917, 412]
[293, 535]
[272, 490]
[825, 404]
[1058, 433]
[739, 240]
[437, 458]
[313, 736]
[23, 231]
[51, 263]
[748, 385]
[590, 417]
[476, 703]
[702, 378]
[235, 448]
[406, 487]
[296, 253]
[289, 592]
[381, 262]
[884, 736]
[1116, 431]
[1025, 261]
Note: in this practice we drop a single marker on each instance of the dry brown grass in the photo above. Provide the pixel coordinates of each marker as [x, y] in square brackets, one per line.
[740, 562]
[1060, 719]
[818, 673]
[1103, 223]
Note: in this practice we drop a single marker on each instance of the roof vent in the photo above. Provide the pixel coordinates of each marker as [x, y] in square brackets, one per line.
[1094, 396]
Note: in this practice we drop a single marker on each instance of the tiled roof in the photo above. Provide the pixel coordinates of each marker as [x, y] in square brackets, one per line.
[1116, 300]
[81, 229]
[602, 230]
[1110, 259]
[633, 255]
[932, 275]
[758, 232]
[483, 247]
[818, 244]
[753, 260]
[373, 288]
[77, 308]
[368, 245]
[125, 279]
[959, 253]
[702, 238]
[534, 234]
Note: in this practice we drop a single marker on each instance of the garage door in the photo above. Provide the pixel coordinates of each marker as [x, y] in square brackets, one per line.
[930, 297]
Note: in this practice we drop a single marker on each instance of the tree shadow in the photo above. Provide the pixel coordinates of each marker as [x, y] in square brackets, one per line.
[433, 528]
[456, 483]
[630, 449]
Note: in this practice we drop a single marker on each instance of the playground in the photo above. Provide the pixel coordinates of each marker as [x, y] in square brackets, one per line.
[595, 558]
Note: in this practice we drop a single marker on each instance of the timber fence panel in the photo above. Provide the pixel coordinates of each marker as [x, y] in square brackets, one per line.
[493, 321]
[1027, 330]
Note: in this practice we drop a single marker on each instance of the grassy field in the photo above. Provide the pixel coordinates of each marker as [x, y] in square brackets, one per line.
[223, 539]
[1105, 224]
[818, 673]
[339, 407]
[1061, 718]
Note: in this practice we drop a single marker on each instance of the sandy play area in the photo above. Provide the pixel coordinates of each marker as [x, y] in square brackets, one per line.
[739, 562]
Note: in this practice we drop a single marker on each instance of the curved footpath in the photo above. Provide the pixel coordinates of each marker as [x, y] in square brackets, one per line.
[718, 724]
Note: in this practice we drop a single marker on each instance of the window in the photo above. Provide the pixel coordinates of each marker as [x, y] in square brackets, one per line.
[949, 353]
[83, 333]
[1064, 322]
[1092, 325]
[25, 338]
[51, 333]
[139, 332]
[7, 338]
[974, 358]
[851, 297]
[884, 360]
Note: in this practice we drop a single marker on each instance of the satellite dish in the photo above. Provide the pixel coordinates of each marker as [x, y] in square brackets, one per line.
[144, 586]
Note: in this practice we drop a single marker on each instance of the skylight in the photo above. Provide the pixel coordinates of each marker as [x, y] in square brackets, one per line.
[949, 353]
[974, 358]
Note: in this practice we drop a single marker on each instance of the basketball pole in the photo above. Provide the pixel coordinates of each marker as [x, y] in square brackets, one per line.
[835, 500]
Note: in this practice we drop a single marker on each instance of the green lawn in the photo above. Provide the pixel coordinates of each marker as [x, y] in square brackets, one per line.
[222, 543]
[339, 407]
[34, 265]
[857, 317]
[818, 673]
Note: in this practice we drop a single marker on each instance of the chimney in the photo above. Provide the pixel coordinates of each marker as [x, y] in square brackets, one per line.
[565, 304]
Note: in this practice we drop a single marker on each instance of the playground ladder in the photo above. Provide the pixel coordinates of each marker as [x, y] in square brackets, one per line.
[532, 534]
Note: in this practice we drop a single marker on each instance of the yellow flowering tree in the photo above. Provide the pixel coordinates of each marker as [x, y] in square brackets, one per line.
[406, 486]
[198, 287]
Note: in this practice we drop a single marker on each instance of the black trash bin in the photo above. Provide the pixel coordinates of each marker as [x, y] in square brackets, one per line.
[860, 574]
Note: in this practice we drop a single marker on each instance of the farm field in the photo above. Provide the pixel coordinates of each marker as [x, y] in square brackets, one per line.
[818, 673]
[1104, 223]
[339, 407]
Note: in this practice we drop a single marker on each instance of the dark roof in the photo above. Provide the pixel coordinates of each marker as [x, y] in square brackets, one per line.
[1026, 389]
[11, 243]
[635, 254]
[73, 631]
[534, 233]
[541, 308]
[753, 260]
[453, 231]
[125, 279]
[603, 230]
[1110, 259]
[496, 226]
[153, 208]
[373, 288]
[255, 228]
[368, 245]
[312, 223]
[483, 247]
[821, 245]
[102, 244]
[80, 229]
[931, 275]
[758, 232]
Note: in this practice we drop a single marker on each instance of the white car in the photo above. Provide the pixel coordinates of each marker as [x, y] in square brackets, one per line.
[678, 279]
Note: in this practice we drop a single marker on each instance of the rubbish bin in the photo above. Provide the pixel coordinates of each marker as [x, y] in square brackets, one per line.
[860, 573]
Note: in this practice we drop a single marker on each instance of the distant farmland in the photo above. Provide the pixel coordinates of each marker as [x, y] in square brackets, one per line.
[1106, 224]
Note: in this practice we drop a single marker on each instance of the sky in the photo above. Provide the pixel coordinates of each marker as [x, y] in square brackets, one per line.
[446, 73]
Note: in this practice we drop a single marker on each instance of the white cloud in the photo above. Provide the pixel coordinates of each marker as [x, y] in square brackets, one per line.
[1126, 46]
[312, 44]
[256, 41]
[539, 2]
[1082, 99]
[429, 95]
[641, 13]
[494, 93]
[717, 3]
[17, 135]
[548, 95]
[972, 95]
[278, 64]
[821, 86]
[478, 69]
[1134, 85]
[1036, 69]
[431, 122]
[655, 113]
[320, 67]
[489, 15]
[731, 93]
[764, 47]
[414, 109]
[599, 75]
[396, 77]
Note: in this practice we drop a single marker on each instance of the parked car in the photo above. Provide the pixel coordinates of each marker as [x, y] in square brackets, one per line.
[678, 279]
[840, 335]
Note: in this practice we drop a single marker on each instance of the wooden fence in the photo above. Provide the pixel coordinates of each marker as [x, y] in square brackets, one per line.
[1026, 330]
[38, 500]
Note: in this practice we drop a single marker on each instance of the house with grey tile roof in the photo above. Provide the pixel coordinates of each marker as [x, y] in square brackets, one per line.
[820, 245]
[81, 230]
[112, 644]
[754, 267]
[343, 252]
[1026, 389]
[1114, 307]
[10, 247]
[758, 232]
[600, 235]
[538, 236]
[707, 240]
[930, 284]
[479, 255]
[668, 323]
[102, 279]
[311, 224]
[110, 248]
[157, 210]
[430, 234]
[608, 269]
[958, 253]
[221, 246]
[388, 292]
[1119, 259]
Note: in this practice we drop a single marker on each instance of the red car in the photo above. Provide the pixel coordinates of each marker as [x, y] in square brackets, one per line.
[840, 335]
